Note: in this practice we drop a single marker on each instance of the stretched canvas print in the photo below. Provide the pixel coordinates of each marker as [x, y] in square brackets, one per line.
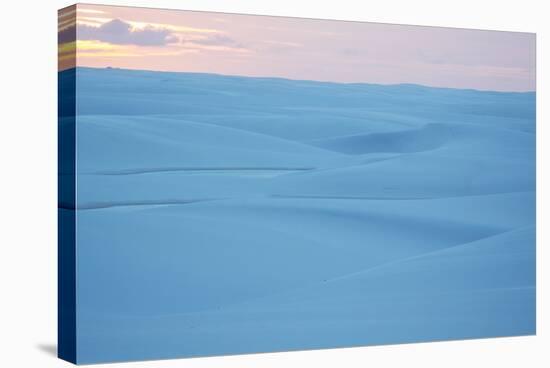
[235, 184]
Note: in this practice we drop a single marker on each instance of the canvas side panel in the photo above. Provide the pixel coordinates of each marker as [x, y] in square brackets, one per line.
[66, 340]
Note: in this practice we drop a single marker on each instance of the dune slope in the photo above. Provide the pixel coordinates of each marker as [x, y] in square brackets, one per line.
[223, 215]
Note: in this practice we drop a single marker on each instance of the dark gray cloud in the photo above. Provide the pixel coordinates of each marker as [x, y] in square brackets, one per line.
[66, 35]
[119, 32]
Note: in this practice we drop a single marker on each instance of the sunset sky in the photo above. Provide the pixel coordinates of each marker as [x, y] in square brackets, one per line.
[338, 51]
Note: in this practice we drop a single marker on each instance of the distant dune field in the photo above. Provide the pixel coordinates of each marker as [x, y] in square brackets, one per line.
[223, 215]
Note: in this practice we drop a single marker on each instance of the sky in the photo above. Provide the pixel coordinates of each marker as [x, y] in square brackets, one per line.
[295, 48]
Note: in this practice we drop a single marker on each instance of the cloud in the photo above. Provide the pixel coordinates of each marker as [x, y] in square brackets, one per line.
[66, 35]
[284, 43]
[89, 11]
[119, 32]
[215, 40]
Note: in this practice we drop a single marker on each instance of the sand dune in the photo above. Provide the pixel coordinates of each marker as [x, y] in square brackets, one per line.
[429, 137]
[231, 215]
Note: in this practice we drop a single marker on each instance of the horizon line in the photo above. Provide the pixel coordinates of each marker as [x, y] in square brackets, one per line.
[299, 80]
